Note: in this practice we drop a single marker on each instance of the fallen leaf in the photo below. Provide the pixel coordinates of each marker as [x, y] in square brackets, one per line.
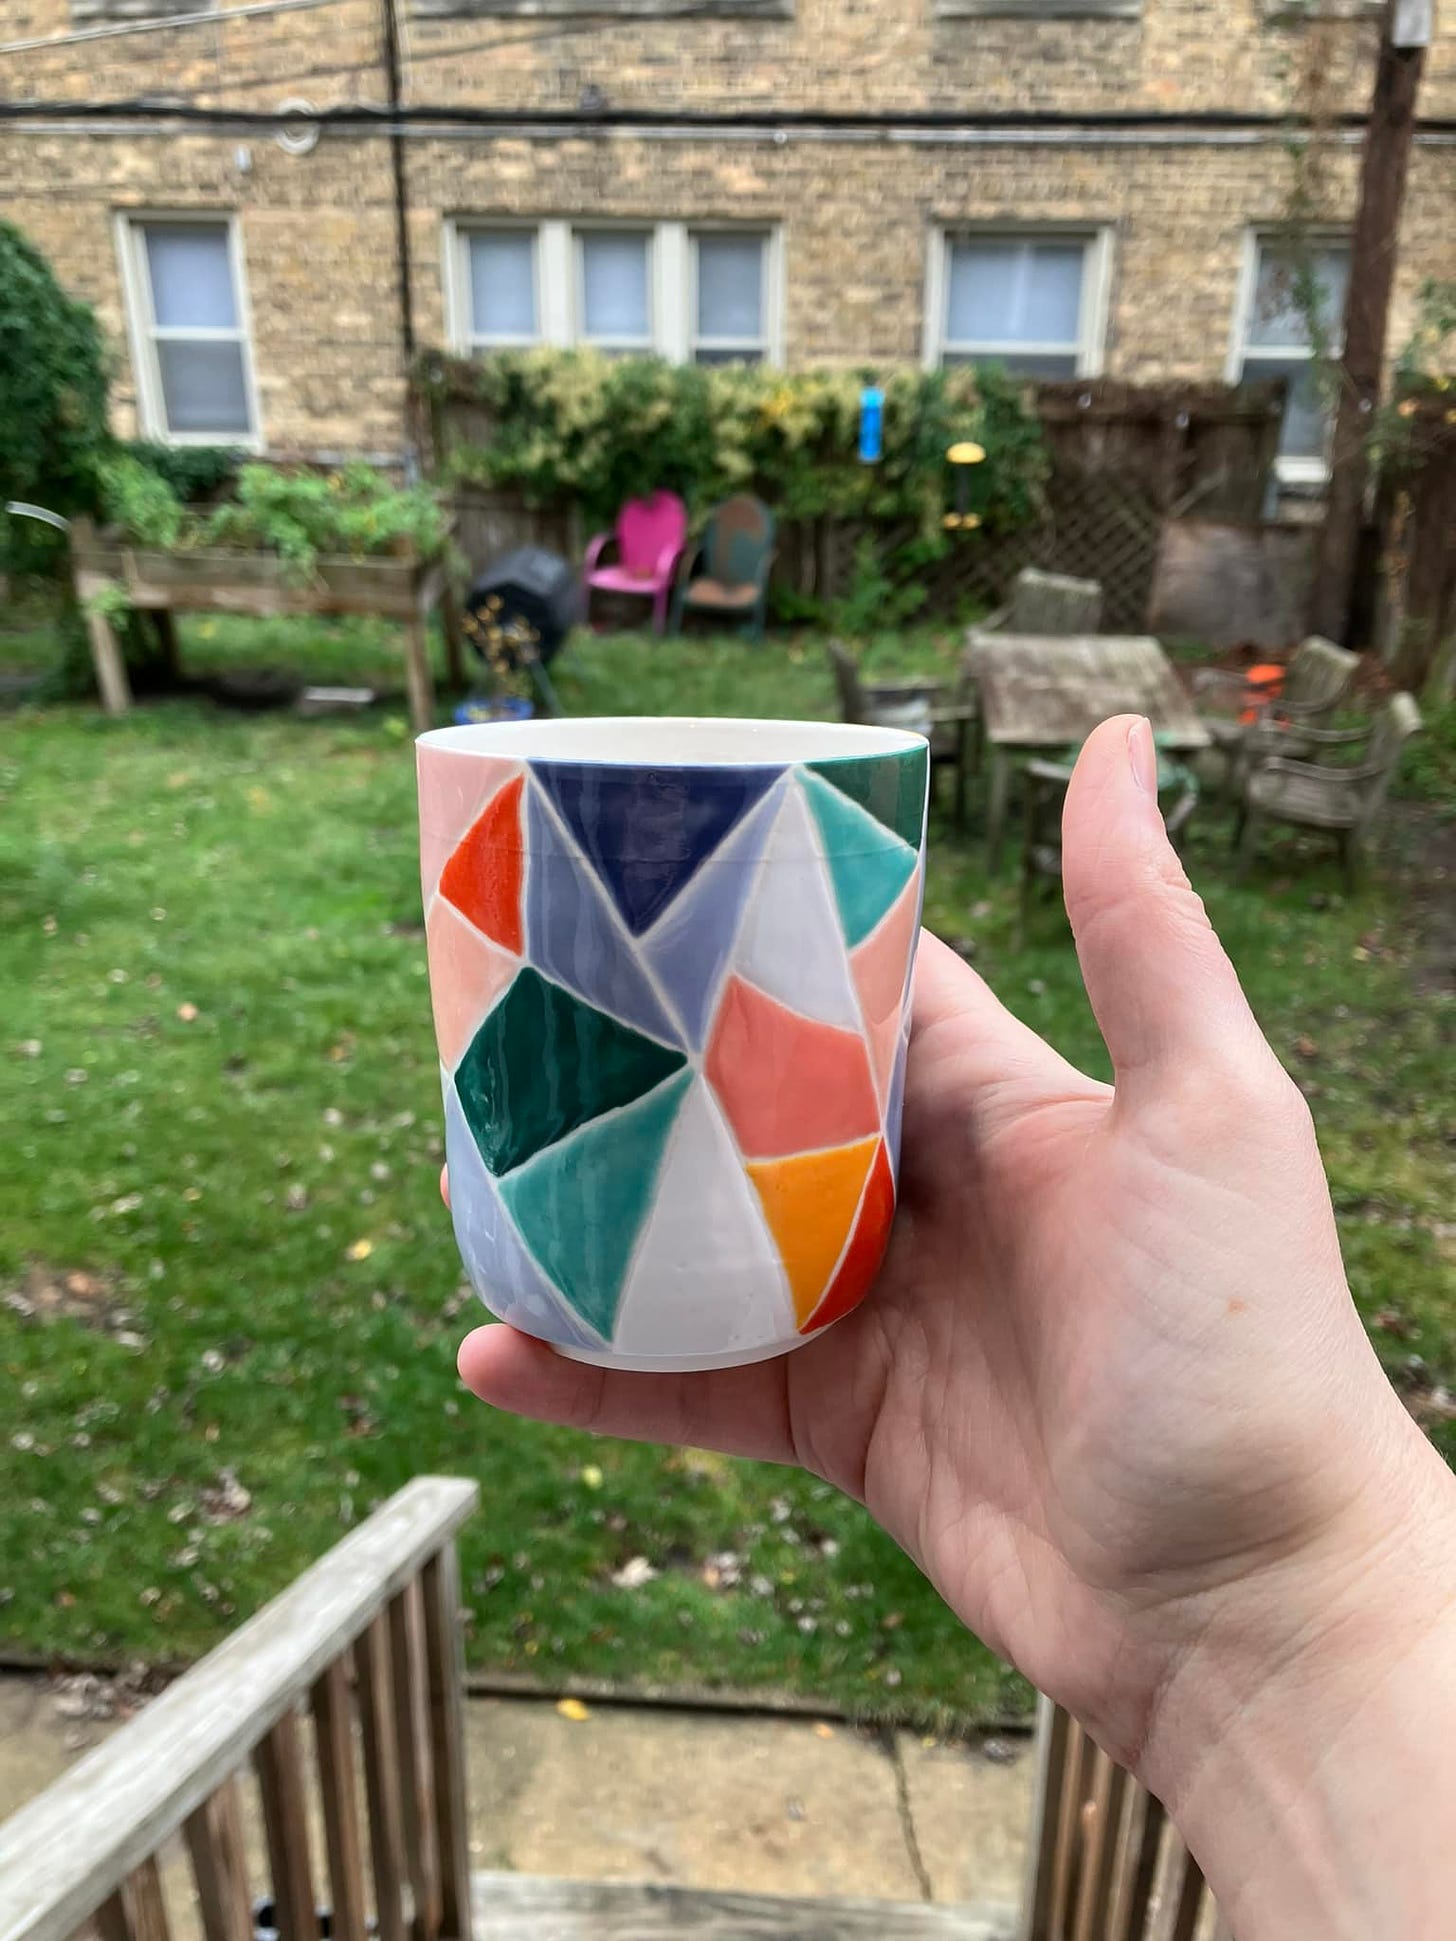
[823, 1731]
[187, 1012]
[1390, 1320]
[634, 1574]
[359, 1249]
[1306, 1046]
[573, 1709]
[591, 1476]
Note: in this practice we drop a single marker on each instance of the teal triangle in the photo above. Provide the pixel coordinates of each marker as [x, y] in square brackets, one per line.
[544, 1063]
[580, 1204]
[891, 788]
[868, 865]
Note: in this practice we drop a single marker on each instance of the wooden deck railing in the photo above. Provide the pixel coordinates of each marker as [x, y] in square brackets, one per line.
[1106, 1863]
[372, 1628]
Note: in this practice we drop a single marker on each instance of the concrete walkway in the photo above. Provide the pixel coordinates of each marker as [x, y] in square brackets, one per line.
[773, 1806]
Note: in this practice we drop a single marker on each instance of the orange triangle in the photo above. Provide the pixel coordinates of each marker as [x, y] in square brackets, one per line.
[483, 876]
[865, 1251]
[809, 1202]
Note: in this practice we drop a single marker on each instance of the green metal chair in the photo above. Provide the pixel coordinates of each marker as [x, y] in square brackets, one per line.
[727, 574]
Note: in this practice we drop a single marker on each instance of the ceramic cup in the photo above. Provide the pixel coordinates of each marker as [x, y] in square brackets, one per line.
[670, 968]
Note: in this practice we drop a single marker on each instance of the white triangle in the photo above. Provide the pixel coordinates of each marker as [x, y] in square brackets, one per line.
[706, 1277]
[790, 943]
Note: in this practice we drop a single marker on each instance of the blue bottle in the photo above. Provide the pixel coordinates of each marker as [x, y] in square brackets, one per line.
[871, 424]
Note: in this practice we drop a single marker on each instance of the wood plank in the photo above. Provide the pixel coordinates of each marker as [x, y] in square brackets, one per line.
[106, 659]
[416, 1775]
[1143, 1849]
[285, 1822]
[219, 1865]
[334, 1749]
[445, 1680]
[381, 1777]
[1068, 1832]
[1188, 1895]
[61, 1855]
[1053, 1728]
[1099, 1870]
[521, 1907]
[145, 1904]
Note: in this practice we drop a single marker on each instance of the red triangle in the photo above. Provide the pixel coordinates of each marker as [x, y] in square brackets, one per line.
[866, 1247]
[483, 876]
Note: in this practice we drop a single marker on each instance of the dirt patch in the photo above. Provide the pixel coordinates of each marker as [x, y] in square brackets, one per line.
[1420, 849]
[72, 1294]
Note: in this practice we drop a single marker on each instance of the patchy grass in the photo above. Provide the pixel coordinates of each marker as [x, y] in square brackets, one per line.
[223, 1249]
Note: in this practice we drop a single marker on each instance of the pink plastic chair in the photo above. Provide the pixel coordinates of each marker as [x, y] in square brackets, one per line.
[649, 540]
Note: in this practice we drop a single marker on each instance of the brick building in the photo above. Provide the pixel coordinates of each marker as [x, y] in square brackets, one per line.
[1075, 186]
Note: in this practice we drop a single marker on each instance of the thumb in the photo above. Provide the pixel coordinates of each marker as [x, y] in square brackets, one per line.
[1164, 994]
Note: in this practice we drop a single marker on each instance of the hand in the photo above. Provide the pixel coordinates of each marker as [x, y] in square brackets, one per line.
[1110, 1391]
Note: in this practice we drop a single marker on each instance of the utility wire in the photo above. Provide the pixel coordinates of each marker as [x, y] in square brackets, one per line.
[120, 30]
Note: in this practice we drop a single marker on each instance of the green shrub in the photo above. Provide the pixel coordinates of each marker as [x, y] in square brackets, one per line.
[194, 472]
[575, 427]
[52, 403]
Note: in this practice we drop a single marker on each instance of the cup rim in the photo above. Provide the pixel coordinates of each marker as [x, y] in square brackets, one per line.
[670, 741]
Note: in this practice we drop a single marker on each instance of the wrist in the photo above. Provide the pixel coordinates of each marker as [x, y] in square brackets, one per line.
[1305, 1744]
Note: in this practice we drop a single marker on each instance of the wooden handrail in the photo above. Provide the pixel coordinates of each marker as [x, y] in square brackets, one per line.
[62, 1855]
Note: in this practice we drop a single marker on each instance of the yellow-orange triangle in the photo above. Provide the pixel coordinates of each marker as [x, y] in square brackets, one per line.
[809, 1201]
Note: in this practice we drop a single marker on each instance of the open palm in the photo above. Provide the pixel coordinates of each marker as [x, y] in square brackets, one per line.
[1098, 1375]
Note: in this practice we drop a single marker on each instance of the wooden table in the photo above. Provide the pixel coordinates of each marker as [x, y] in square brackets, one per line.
[1042, 691]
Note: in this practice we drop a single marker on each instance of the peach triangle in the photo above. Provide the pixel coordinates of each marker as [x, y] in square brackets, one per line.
[483, 875]
[810, 1202]
[467, 975]
[879, 977]
[787, 1084]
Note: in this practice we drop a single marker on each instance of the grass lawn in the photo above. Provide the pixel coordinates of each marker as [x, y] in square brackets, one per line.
[231, 1295]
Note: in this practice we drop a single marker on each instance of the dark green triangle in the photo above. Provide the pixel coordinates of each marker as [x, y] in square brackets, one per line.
[543, 1063]
[580, 1205]
[891, 788]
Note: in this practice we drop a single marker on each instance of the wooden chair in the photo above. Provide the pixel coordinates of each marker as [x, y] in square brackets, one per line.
[648, 541]
[727, 573]
[1308, 795]
[1242, 722]
[1046, 792]
[1105, 1862]
[1053, 603]
[920, 707]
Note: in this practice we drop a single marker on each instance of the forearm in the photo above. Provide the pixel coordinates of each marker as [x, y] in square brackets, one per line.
[1308, 1749]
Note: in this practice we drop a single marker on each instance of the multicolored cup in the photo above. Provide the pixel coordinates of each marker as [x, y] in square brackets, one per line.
[670, 966]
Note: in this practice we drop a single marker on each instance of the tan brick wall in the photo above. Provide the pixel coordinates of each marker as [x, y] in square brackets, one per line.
[318, 230]
[318, 238]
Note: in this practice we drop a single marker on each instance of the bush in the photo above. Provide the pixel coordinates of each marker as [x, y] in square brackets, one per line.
[578, 427]
[194, 472]
[52, 403]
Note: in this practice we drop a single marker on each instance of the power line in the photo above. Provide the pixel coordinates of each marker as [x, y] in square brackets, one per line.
[122, 29]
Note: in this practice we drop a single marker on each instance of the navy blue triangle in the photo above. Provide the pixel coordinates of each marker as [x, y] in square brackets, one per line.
[646, 830]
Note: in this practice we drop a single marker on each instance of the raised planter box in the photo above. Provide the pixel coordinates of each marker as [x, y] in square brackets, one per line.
[260, 584]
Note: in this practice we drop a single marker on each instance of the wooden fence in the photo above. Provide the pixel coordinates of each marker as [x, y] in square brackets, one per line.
[372, 1631]
[1124, 460]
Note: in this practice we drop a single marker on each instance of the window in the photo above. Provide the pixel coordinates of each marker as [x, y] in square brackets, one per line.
[1272, 340]
[194, 375]
[1034, 303]
[609, 9]
[501, 266]
[729, 296]
[614, 289]
[93, 10]
[710, 295]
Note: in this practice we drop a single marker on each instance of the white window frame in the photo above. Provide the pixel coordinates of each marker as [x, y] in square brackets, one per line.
[671, 281]
[1288, 471]
[1091, 345]
[143, 331]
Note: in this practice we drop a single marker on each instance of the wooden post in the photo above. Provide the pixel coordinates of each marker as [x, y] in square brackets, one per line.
[381, 1777]
[1405, 31]
[136, 1911]
[416, 1785]
[106, 658]
[219, 1866]
[334, 1746]
[445, 1676]
[418, 685]
[285, 1821]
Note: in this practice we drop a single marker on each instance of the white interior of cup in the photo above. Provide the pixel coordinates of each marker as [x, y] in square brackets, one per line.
[672, 741]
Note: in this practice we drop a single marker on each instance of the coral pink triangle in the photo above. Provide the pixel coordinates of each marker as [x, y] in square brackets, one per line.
[454, 788]
[879, 977]
[467, 975]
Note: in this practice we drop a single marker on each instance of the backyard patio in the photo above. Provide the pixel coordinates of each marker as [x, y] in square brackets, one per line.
[223, 1232]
